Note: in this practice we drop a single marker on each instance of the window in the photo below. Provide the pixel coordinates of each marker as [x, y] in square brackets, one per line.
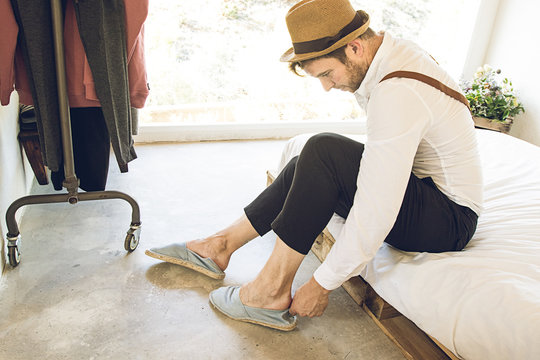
[217, 61]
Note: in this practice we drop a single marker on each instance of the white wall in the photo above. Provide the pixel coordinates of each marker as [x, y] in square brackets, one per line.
[15, 180]
[513, 47]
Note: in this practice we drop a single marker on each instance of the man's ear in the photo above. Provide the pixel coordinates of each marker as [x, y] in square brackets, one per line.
[355, 48]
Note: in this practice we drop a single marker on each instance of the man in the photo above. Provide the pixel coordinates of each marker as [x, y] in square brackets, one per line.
[415, 184]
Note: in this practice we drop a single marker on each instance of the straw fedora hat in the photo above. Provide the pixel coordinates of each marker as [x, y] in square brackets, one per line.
[318, 27]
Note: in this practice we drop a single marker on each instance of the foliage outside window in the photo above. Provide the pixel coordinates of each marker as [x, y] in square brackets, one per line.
[217, 61]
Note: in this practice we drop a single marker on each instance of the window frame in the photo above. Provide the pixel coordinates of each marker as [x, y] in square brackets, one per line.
[477, 47]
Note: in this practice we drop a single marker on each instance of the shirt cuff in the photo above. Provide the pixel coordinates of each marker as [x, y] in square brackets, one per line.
[327, 278]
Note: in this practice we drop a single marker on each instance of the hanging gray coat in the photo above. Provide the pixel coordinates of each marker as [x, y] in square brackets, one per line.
[102, 29]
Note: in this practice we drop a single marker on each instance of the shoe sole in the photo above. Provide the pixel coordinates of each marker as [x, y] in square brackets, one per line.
[184, 263]
[251, 321]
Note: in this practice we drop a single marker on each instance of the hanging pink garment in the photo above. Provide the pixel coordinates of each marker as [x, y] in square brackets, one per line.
[80, 82]
[8, 43]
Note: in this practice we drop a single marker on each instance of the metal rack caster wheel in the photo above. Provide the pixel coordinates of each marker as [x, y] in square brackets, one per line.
[132, 238]
[14, 256]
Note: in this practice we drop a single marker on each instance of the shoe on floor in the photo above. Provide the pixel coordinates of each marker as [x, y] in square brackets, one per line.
[227, 300]
[179, 254]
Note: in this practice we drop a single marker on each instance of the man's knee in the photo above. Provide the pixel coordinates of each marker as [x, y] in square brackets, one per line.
[322, 140]
[322, 143]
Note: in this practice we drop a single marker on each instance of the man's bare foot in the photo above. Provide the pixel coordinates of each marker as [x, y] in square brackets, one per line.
[257, 295]
[213, 247]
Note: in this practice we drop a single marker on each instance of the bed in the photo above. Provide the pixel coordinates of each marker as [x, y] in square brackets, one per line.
[483, 302]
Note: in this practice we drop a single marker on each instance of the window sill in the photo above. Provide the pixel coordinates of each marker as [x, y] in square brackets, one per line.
[149, 133]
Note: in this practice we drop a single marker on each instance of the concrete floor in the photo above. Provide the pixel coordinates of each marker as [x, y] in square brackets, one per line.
[78, 295]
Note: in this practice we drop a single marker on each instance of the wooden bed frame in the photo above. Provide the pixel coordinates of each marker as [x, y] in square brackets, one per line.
[411, 341]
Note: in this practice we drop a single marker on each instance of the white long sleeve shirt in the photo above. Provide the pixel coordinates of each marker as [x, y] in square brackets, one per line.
[411, 126]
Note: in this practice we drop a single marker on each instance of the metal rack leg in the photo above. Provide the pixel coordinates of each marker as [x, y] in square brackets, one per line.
[13, 235]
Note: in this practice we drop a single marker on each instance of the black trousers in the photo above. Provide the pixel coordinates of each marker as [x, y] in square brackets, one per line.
[91, 150]
[321, 181]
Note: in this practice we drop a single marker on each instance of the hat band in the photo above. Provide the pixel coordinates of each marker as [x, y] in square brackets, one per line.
[321, 44]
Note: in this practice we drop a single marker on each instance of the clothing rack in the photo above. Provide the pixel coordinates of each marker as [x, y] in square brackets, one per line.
[71, 182]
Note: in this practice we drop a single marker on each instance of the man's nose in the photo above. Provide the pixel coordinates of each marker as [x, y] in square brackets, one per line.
[327, 84]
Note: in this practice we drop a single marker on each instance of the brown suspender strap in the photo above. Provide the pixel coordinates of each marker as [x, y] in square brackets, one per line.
[432, 82]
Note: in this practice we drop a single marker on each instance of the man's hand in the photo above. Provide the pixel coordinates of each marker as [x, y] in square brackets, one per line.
[310, 299]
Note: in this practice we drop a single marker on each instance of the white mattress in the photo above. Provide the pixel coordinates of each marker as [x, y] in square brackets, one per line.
[483, 302]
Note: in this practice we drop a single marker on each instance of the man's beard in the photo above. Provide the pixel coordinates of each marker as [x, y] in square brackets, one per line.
[356, 73]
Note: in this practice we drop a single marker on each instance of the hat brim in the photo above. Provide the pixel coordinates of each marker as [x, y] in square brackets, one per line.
[290, 56]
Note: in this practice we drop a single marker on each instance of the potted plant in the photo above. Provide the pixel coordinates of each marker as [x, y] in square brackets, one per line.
[492, 99]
